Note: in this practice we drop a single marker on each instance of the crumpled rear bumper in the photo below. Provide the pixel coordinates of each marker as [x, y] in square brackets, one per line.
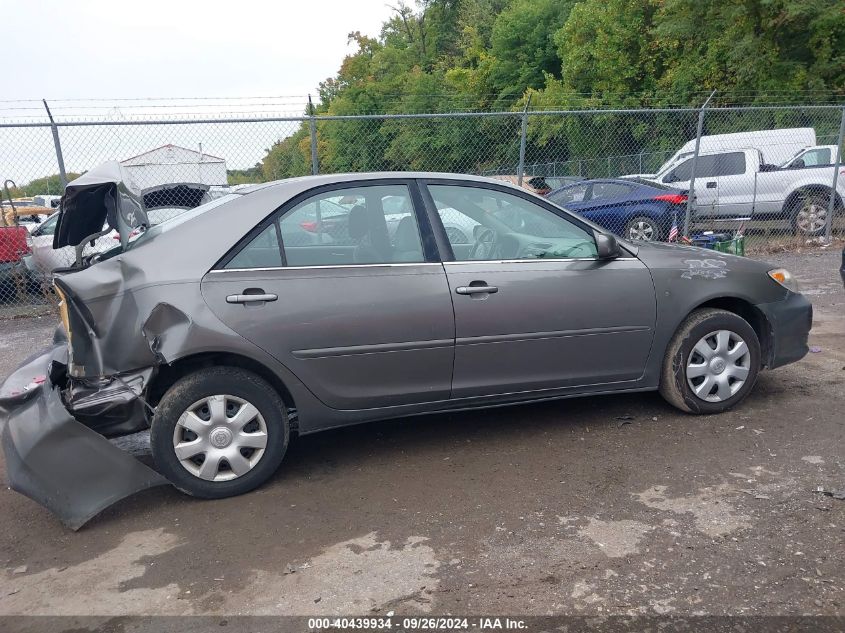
[55, 460]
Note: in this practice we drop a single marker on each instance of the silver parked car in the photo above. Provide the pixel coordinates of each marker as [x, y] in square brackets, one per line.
[227, 329]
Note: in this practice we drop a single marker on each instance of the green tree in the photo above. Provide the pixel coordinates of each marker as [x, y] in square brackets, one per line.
[522, 44]
[245, 176]
[288, 158]
[456, 55]
[51, 185]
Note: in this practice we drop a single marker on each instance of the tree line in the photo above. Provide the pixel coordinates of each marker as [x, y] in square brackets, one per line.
[495, 55]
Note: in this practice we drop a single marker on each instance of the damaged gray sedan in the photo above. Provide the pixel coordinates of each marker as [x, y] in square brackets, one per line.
[290, 308]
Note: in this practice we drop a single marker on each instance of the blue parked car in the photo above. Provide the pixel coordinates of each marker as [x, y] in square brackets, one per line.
[631, 208]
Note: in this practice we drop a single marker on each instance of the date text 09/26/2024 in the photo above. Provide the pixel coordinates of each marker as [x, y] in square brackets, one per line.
[389, 623]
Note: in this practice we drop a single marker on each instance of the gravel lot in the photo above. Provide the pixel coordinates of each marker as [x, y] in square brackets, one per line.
[605, 505]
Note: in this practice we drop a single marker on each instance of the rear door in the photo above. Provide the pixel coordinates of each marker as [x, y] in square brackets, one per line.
[360, 314]
[535, 309]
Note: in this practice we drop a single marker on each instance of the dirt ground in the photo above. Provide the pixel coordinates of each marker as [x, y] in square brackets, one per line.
[593, 506]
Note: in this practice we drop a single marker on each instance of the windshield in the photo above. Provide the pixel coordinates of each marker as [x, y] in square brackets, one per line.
[173, 222]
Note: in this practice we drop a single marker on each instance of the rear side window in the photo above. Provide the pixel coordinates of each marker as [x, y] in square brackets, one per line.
[607, 190]
[705, 168]
[343, 227]
[575, 193]
[731, 164]
[262, 252]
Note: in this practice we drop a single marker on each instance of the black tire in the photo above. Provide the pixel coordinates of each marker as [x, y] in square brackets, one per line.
[647, 223]
[203, 383]
[674, 386]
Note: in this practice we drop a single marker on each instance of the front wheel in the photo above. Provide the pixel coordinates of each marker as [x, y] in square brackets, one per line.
[711, 363]
[219, 432]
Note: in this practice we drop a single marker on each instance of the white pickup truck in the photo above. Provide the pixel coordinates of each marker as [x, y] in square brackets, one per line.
[739, 184]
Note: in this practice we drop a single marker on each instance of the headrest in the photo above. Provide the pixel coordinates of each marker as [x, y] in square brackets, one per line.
[406, 235]
[358, 225]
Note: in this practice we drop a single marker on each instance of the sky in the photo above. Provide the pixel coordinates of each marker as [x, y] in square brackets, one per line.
[96, 58]
[177, 48]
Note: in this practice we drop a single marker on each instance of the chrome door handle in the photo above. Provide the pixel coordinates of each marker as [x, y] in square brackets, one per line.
[250, 298]
[476, 290]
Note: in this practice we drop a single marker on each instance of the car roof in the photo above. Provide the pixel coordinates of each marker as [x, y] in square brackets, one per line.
[621, 181]
[328, 179]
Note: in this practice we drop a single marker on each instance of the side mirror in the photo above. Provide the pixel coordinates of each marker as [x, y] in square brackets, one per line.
[607, 246]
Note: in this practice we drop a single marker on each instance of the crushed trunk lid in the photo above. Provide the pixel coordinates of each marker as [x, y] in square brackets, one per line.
[104, 196]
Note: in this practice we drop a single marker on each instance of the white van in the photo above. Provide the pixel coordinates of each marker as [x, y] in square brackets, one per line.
[777, 146]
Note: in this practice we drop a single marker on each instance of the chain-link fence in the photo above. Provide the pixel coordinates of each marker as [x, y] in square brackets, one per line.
[741, 178]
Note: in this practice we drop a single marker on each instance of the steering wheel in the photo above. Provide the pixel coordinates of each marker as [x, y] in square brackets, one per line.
[486, 245]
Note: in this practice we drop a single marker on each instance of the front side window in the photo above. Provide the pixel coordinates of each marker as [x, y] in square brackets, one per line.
[506, 226]
[342, 227]
[813, 158]
[48, 227]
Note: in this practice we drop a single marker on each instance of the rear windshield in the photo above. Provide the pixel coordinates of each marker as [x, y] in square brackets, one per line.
[173, 222]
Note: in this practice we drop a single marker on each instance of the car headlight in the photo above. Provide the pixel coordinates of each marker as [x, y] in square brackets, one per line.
[785, 279]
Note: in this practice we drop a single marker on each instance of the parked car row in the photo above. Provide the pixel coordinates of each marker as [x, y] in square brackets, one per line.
[40, 259]
[770, 175]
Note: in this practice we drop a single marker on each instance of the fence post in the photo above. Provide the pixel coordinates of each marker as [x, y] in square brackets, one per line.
[691, 195]
[58, 146]
[831, 205]
[522, 137]
[312, 123]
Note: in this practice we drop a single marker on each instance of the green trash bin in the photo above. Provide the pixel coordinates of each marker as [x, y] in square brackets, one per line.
[736, 246]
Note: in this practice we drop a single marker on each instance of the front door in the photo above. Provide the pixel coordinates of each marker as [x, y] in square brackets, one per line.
[737, 191]
[535, 309]
[351, 304]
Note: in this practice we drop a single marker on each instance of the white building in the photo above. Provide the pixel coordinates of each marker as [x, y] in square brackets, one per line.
[171, 164]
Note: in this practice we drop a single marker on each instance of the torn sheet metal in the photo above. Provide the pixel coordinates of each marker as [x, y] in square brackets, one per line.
[166, 330]
[55, 460]
[105, 195]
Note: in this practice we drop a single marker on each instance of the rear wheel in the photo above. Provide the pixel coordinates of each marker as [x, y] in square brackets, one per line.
[810, 215]
[219, 432]
[711, 363]
[643, 229]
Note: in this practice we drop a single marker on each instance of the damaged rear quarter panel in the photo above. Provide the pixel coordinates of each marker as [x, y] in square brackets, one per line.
[144, 308]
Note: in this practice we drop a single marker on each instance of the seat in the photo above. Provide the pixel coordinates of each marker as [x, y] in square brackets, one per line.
[360, 234]
[407, 246]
